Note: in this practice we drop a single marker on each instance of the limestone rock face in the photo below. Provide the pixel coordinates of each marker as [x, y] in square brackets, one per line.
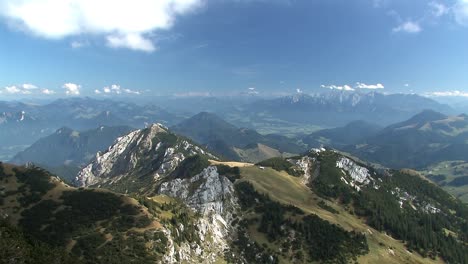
[207, 192]
[306, 164]
[357, 176]
[213, 196]
[149, 153]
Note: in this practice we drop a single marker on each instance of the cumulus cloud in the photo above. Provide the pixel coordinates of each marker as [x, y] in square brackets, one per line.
[72, 88]
[116, 89]
[21, 89]
[337, 87]
[47, 91]
[123, 23]
[369, 86]
[455, 93]
[460, 11]
[408, 27]
[25, 89]
[16, 90]
[252, 91]
[132, 41]
[28, 86]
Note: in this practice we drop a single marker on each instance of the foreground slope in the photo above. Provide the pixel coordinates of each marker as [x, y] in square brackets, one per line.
[40, 213]
[91, 225]
[399, 202]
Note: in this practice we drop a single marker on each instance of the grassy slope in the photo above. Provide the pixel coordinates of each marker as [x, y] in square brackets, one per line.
[75, 221]
[289, 190]
[259, 153]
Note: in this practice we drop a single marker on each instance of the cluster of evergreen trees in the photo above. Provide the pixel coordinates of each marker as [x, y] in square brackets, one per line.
[49, 224]
[321, 240]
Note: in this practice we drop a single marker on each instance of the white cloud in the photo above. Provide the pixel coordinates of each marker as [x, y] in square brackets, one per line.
[369, 86]
[336, 87]
[438, 9]
[76, 44]
[47, 91]
[12, 89]
[131, 41]
[406, 85]
[72, 88]
[123, 23]
[116, 89]
[24, 89]
[252, 91]
[460, 11]
[131, 91]
[455, 93]
[408, 27]
[28, 86]
[298, 90]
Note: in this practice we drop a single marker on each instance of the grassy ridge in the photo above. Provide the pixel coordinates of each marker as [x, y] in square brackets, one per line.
[313, 239]
[288, 190]
[92, 225]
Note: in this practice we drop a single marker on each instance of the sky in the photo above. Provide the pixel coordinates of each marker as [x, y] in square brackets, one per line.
[58, 48]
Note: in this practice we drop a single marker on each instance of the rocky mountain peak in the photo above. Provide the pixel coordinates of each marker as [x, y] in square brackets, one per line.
[138, 160]
[157, 127]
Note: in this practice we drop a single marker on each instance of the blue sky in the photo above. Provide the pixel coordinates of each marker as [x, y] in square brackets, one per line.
[194, 47]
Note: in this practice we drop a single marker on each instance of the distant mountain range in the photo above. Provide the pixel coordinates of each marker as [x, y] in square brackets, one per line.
[70, 147]
[337, 108]
[67, 150]
[23, 124]
[422, 140]
[232, 142]
[339, 137]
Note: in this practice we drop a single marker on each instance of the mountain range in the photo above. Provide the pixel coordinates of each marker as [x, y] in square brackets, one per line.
[22, 124]
[70, 147]
[427, 138]
[235, 143]
[352, 133]
[66, 151]
[190, 206]
[338, 108]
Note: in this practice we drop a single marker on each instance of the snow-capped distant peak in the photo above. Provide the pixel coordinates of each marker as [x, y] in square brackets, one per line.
[23, 113]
